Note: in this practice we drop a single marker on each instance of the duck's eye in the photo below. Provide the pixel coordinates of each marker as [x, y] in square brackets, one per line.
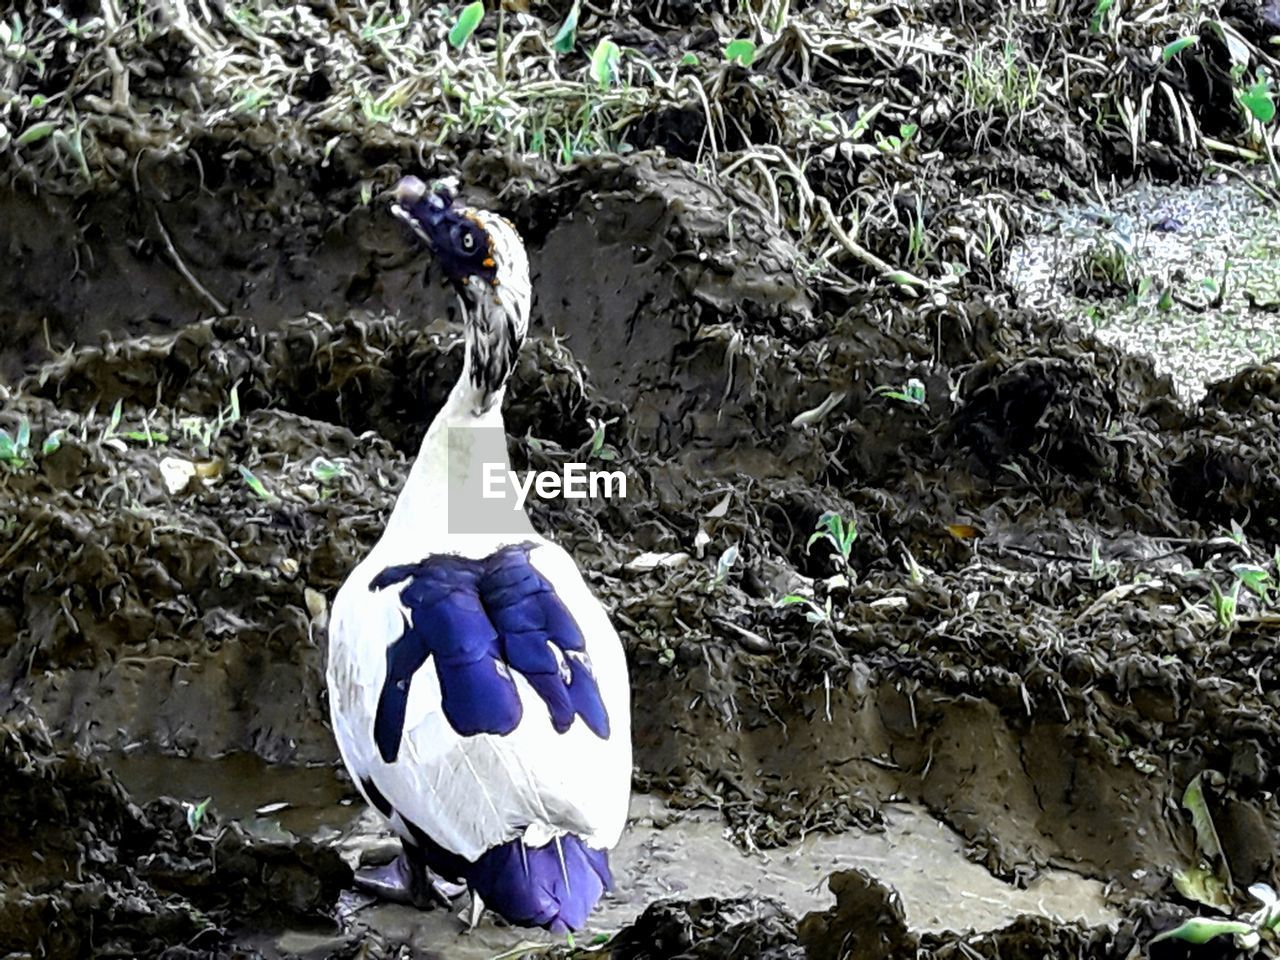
[468, 242]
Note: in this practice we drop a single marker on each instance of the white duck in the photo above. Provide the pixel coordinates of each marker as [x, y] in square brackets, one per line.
[478, 691]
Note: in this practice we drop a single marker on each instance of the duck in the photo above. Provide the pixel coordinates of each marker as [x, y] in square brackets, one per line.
[478, 691]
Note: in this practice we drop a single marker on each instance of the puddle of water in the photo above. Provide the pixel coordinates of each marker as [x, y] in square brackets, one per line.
[239, 785]
[664, 853]
[685, 854]
[1178, 238]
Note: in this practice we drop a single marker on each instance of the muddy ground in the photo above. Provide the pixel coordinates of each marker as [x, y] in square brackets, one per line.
[225, 351]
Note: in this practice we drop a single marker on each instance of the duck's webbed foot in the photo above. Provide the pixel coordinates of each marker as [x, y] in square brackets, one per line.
[407, 880]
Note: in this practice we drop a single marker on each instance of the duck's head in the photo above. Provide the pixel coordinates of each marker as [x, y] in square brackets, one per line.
[484, 257]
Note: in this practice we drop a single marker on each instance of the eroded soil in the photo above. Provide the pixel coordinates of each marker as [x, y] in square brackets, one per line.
[225, 354]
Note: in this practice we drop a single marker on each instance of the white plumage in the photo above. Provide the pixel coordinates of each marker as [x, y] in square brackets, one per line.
[471, 793]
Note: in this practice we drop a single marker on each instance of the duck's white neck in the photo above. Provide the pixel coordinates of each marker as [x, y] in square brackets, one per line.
[443, 507]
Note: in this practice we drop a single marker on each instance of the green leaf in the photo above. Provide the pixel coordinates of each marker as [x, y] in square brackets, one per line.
[36, 132]
[8, 450]
[604, 63]
[326, 471]
[726, 562]
[1200, 884]
[146, 436]
[51, 443]
[567, 35]
[1257, 99]
[741, 52]
[791, 599]
[689, 60]
[1193, 801]
[466, 24]
[256, 485]
[1255, 578]
[1173, 49]
[196, 812]
[1099, 11]
[907, 131]
[23, 439]
[1202, 930]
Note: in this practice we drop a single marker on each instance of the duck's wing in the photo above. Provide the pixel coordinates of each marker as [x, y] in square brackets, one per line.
[481, 700]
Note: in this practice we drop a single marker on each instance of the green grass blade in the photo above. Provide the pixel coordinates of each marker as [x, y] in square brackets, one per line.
[256, 485]
[1173, 49]
[466, 24]
[567, 35]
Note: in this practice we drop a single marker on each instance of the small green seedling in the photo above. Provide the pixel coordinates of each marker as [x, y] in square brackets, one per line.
[1257, 579]
[813, 612]
[15, 451]
[724, 565]
[1100, 569]
[666, 653]
[466, 24]
[1259, 99]
[914, 571]
[840, 533]
[206, 431]
[741, 52]
[596, 447]
[1225, 604]
[196, 813]
[326, 471]
[912, 392]
[894, 144]
[605, 63]
[113, 424]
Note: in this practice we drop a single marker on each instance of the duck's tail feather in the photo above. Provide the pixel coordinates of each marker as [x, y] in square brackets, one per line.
[555, 886]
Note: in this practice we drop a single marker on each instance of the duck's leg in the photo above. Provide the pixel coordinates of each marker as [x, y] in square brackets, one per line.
[474, 912]
[407, 880]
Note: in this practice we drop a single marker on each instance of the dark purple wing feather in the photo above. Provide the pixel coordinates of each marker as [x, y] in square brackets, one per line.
[479, 620]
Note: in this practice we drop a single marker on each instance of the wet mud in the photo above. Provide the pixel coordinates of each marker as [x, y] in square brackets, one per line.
[224, 356]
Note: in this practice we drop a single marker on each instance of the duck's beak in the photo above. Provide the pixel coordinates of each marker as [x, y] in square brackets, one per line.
[408, 191]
